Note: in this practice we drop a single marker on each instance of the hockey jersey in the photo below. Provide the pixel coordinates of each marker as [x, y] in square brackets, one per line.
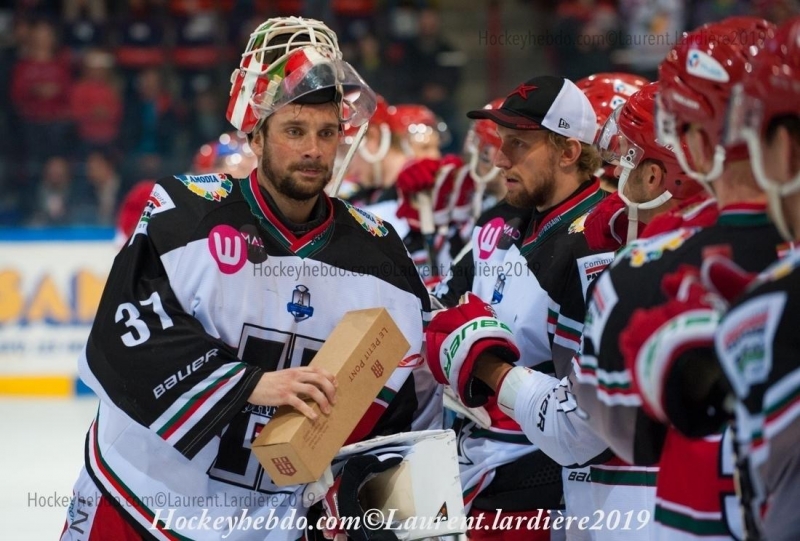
[700, 505]
[536, 285]
[758, 347]
[212, 291]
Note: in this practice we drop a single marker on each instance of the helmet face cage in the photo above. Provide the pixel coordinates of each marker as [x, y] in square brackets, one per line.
[481, 145]
[286, 59]
[615, 147]
[416, 124]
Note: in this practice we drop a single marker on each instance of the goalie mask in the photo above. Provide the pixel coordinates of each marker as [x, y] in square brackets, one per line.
[769, 93]
[290, 59]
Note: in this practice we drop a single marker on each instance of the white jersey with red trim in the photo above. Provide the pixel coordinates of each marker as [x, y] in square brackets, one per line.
[211, 292]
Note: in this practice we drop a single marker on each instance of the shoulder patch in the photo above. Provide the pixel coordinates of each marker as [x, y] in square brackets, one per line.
[645, 251]
[157, 201]
[213, 187]
[745, 340]
[578, 225]
[371, 223]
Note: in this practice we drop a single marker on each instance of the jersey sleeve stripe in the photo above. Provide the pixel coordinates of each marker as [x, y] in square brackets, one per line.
[203, 396]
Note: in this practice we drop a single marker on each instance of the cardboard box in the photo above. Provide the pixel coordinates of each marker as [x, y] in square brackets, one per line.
[362, 352]
[422, 496]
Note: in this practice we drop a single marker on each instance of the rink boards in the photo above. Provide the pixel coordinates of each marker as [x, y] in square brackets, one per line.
[51, 281]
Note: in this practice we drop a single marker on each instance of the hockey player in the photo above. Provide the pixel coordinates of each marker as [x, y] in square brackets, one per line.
[454, 198]
[756, 344]
[229, 154]
[651, 181]
[216, 306]
[364, 180]
[607, 92]
[695, 492]
[535, 284]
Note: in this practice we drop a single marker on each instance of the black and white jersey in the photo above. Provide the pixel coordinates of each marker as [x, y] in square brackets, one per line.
[536, 283]
[212, 291]
[603, 387]
[758, 346]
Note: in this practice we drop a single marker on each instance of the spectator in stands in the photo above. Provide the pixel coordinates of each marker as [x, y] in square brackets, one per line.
[436, 68]
[96, 103]
[150, 120]
[99, 205]
[84, 25]
[40, 87]
[54, 199]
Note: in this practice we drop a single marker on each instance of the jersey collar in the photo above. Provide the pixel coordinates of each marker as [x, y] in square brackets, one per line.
[744, 215]
[302, 246]
[544, 224]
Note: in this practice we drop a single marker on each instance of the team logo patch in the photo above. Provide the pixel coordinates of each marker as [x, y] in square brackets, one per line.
[228, 248]
[647, 250]
[300, 305]
[256, 252]
[578, 225]
[214, 187]
[371, 223]
[158, 201]
[746, 338]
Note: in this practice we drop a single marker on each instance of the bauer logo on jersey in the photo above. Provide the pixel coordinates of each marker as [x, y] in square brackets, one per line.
[591, 266]
[745, 340]
[368, 221]
[214, 187]
[158, 201]
[300, 305]
[646, 250]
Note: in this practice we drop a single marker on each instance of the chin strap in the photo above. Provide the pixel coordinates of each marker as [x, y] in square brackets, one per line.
[633, 208]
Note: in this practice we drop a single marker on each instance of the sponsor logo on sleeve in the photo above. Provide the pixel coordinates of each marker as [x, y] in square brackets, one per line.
[213, 187]
[158, 201]
[371, 223]
[591, 266]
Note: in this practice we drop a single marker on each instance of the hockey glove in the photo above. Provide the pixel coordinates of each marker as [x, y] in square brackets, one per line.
[669, 353]
[455, 338]
[606, 226]
[420, 175]
[342, 500]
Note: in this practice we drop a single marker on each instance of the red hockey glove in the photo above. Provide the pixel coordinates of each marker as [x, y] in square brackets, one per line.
[669, 353]
[342, 499]
[606, 226]
[419, 175]
[456, 338]
[723, 276]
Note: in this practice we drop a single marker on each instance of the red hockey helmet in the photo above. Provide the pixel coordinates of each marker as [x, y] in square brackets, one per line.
[481, 143]
[412, 122]
[696, 80]
[771, 91]
[607, 91]
[230, 154]
[626, 139]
